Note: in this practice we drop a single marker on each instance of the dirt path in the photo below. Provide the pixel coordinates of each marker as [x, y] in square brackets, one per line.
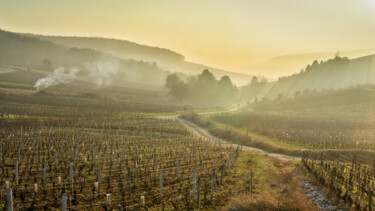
[311, 192]
[203, 133]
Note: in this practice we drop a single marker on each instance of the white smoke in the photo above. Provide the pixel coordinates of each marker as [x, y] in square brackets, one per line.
[103, 70]
[60, 75]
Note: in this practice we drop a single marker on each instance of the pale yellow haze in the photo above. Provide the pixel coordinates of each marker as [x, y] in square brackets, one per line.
[233, 35]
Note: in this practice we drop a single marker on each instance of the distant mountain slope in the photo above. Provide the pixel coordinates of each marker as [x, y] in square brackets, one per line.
[165, 58]
[21, 50]
[120, 48]
[289, 64]
[335, 73]
[344, 103]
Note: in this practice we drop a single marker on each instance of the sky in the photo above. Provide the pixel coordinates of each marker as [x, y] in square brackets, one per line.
[233, 35]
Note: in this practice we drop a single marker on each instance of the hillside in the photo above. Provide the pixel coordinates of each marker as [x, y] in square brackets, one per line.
[335, 73]
[355, 102]
[166, 59]
[290, 64]
[21, 50]
[120, 48]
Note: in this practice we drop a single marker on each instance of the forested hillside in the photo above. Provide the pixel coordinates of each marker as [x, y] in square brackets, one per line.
[26, 51]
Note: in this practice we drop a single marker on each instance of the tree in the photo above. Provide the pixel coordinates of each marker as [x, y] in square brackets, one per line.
[171, 80]
[206, 77]
[315, 63]
[254, 80]
[255, 88]
[202, 89]
[308, 67]
[178, 90]
[226, 90]
[225, 82]
[337, 54]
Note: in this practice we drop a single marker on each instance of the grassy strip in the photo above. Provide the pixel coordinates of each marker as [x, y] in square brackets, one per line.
[240, 137]
[281, 189]
[264, 139]
[268, 144]
[237, 182]
[260, 182]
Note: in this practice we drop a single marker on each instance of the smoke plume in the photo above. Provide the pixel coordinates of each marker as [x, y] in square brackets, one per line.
[60, 75]
[103, 70]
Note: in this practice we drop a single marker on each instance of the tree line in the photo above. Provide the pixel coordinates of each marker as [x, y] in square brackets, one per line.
[202, 89]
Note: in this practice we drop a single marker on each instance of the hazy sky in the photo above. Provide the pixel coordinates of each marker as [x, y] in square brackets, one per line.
[226, 34]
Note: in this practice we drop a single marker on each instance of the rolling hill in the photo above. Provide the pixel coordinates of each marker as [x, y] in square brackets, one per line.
[165, 58]
[290, 64]
[20, 50]
[333, 74]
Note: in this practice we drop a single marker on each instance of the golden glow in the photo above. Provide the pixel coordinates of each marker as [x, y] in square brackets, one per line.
[232, 35]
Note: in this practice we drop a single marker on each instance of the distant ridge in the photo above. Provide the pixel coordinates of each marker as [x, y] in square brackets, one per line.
[31, 52]
[292, 63]
[336, 73]
[165, 58]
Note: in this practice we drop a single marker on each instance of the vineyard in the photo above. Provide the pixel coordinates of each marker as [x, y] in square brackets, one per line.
[336, 142]
[52, 105]
[308, 132]
[85, 151]
[331, 120]
[127, 163]
[351, 182]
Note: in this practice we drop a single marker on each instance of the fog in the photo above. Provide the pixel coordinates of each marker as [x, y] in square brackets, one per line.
[103, 71]
[97, 67]
[332, 74]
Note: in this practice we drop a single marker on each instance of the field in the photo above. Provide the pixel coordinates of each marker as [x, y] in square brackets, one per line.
[75, 147]
[87, 149]
[336, 142]
[103, 162]
[341, 120]
[351, 182]
[51, 105]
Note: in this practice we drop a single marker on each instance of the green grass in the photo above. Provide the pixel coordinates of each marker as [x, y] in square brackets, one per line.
[149, 114]
[239, 135]
[238, 180]
[216, 110]
[265, 139]
[250, 163]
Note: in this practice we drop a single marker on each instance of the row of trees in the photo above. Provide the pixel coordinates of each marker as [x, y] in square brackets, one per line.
[320, 76]
[255, 90]
[203, 89]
